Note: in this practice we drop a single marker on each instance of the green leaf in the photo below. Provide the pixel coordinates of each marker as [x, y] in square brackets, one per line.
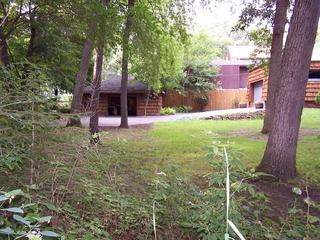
[6, 231]
[45, 219]
[21, 220]
[3, 198]
[49, 234]
[13, 210]
[28, 205]
[52, 207]
[186, 225]
[2, 220]
[14, 193]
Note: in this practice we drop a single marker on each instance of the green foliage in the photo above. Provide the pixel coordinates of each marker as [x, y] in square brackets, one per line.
[157, 43]
[318, 98]
[202, 100]
[255, 12]
[167, 111]
[200, 51]
[25, 107]
[23, 221]
[183, 109]
[199, 71]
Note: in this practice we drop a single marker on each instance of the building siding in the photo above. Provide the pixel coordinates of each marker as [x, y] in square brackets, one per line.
[260, 74]
[152, 109]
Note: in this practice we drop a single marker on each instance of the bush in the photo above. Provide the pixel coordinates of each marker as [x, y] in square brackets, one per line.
[183, 109]
[167, 111]
[318, 98]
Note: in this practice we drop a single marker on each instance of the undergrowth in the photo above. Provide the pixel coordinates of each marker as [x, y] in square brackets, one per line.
[101, 193]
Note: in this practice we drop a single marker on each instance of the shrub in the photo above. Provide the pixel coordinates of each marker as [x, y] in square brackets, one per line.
[318, 98]
[183, 109]
[167, 111]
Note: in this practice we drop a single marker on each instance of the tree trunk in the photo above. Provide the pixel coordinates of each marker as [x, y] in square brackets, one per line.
[124, 76]
[279, 24]
[30, 52]
[81, 77]
[4, 50]
[94, 105]
[280, 155]
[147, 102]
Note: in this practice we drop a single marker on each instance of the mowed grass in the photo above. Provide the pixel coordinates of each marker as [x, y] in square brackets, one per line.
[180, 147]
[185, 143]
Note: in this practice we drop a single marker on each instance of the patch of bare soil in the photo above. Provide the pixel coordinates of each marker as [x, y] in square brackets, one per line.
[282, 197]
[251, 134]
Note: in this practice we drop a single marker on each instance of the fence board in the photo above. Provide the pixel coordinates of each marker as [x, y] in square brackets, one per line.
[218, 99]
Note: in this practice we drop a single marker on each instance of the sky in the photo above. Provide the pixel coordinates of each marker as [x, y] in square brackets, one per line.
[216, 13]
[217, 20]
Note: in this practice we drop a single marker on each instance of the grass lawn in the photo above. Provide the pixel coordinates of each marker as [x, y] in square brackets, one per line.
[185, 143]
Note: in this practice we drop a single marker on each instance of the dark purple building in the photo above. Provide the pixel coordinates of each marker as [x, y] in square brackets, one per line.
[234, 70]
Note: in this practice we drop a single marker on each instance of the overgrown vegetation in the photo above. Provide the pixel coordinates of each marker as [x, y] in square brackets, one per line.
[112, 190]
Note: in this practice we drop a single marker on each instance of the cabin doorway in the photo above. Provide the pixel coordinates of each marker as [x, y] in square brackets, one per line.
[114, 105]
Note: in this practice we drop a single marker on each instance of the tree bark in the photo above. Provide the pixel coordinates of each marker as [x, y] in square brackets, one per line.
[4, 50]
[124, 69]
[30, 52]
[280, 155]
[279, 24]
[81, 76]
[95, 95]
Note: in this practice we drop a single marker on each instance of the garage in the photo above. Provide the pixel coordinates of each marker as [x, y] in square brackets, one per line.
[257, 91]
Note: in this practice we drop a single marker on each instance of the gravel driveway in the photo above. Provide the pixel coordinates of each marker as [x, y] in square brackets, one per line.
[115, 121]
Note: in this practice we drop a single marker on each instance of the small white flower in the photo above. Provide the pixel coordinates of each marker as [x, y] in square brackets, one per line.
[297, 191]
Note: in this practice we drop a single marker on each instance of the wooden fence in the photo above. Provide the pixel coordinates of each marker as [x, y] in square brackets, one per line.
[218, 99]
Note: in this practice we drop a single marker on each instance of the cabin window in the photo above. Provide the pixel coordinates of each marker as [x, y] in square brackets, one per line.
[314, 75]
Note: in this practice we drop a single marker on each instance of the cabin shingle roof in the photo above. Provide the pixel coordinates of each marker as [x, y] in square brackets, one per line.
[113, 85]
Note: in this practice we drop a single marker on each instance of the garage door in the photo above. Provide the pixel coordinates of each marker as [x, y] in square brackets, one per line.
[257, 91]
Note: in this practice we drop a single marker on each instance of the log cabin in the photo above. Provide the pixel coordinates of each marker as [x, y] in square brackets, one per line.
[141, 101]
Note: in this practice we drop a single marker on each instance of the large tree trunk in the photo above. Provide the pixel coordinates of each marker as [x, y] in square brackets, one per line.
[124, 75]
[4, 50]
[30, 52]
[94, 105]
[280, 155]
[279, 23]
[76, 104]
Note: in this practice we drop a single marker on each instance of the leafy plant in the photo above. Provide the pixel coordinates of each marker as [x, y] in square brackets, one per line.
[24, 111]
[183, 109]
[167, 111]
[23, 221]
